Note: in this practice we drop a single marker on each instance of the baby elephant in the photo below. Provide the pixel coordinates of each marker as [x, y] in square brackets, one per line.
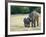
[27, 22]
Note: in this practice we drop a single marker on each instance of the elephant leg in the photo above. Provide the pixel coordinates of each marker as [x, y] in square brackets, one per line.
[28, 25]
[37, 21]
[25, 25]
[34, 23]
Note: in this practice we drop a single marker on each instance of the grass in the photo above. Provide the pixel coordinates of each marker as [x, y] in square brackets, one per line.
[16, 23]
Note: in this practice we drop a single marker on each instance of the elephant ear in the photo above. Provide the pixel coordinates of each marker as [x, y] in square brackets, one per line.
[36, 13]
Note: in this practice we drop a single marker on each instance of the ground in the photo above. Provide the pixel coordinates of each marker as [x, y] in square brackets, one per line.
[16, 23]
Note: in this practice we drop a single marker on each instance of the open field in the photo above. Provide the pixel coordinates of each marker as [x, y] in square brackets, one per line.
[16, 23]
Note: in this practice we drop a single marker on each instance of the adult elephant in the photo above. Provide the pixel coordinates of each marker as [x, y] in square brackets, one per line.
[35, 17]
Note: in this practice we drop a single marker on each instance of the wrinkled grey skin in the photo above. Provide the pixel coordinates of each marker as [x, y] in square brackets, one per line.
[34, 16]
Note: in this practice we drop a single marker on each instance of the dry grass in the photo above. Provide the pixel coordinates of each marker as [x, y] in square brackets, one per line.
[16, 23]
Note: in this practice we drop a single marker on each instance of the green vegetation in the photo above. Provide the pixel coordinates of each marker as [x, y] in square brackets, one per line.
[24, 10]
